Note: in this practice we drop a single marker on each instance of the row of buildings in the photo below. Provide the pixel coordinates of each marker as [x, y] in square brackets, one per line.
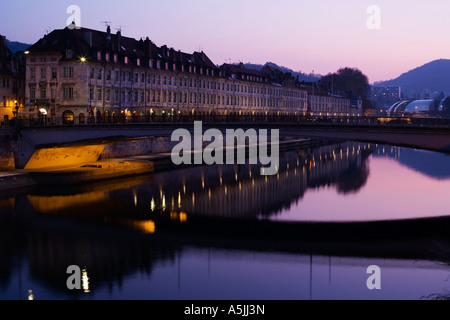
[79, 74]
[12, 82]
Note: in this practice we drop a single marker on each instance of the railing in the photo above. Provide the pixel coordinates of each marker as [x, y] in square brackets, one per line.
[242, 119]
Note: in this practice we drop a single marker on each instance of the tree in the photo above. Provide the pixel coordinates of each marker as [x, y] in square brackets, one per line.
[350, 79]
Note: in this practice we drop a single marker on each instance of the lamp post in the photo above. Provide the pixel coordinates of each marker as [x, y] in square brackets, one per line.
[16, 113]
[84, 60]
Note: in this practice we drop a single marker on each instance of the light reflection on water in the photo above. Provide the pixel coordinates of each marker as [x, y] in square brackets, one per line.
[224, 232]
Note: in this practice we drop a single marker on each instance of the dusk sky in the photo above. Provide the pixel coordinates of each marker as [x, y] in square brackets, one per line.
[302, 35]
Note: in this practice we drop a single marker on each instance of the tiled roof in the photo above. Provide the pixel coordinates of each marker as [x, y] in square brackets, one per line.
[87, 43]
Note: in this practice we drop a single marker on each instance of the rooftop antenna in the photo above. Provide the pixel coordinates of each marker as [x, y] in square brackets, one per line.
[106, 23]
[119, 28]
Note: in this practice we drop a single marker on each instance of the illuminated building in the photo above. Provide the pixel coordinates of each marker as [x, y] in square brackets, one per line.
[12, 82]
[83, 75]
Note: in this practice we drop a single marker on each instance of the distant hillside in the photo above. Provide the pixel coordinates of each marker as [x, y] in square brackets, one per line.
[302, 76]
[430, 78]
[15, 46]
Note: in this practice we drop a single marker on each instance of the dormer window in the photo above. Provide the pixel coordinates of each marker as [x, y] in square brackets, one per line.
[126, 60]
[115, 58]
[69, 54]
[99, 55]
[107, 57]
[138, 62]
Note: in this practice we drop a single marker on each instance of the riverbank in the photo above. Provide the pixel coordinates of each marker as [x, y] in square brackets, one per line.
[109, 169]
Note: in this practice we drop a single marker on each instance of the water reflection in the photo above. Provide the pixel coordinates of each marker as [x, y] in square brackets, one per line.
[433, 164]
[150, 237]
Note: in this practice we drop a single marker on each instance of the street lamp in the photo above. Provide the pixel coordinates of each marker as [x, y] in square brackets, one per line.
[84, 60]
[16, 113]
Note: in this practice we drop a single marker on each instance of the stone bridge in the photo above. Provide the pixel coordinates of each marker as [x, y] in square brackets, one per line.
[59, 146]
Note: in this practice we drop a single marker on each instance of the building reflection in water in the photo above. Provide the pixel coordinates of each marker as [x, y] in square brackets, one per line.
[94, 225]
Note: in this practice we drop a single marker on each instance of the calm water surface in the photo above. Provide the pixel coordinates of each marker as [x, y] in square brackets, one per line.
[225, 232]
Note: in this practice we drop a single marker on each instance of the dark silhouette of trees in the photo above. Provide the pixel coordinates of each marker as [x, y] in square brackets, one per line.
[350, 79]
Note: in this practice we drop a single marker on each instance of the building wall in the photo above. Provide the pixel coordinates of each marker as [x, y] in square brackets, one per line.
[108, 89]
[321, 105]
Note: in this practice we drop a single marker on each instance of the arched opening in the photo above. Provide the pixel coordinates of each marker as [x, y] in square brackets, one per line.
[115, 117]
[82, 118]
[68, 117]
[99, 117]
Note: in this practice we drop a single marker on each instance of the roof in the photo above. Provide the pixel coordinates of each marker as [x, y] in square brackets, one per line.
[87, 43]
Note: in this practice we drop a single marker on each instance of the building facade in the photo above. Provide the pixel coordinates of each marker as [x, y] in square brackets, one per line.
[83, 75]
[12, 83]
[326, 102]
[384, 97]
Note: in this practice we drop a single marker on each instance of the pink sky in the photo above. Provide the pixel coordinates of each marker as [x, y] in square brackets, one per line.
[302, 35]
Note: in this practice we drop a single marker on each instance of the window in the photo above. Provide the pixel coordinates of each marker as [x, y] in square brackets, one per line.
[99, 94]
[69, 54]
[68, 72]
[116, 95]
[32, 74]
[99, 74]
[54, 73]
[67, 93]
[43, 73]
[32, 93]
[43, 93]
[108, 95]
[91, 93]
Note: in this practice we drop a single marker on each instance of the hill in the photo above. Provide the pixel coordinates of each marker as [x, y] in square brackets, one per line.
[15, 46]
[302, 76]
[430, 78]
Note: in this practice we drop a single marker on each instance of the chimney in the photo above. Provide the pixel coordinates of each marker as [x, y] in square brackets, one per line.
[119, 46]
[108, 34]
[148, 43]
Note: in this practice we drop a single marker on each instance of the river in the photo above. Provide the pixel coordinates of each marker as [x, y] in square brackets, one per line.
[225, 232]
